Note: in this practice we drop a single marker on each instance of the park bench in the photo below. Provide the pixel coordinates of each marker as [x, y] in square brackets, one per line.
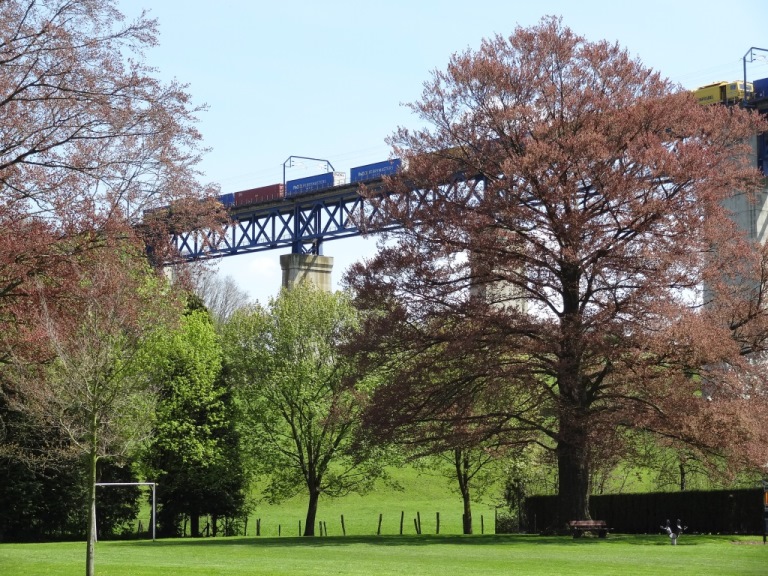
[578, 527]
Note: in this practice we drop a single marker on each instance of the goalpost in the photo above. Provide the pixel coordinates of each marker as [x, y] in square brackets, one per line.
[151, 484]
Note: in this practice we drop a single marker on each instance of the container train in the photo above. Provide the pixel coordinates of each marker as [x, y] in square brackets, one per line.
[310, 184]
[717, 92]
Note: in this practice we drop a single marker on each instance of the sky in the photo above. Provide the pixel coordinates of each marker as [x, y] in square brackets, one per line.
[329, 79]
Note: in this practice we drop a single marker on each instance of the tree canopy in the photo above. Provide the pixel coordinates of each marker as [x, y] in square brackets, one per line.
[194, 454]
[90, 140]
[300, 401]
[571, 210]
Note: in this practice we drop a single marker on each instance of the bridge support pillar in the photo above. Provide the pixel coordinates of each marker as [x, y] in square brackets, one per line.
[299, 267]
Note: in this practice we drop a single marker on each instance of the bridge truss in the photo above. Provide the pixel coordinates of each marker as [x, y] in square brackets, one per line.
[302, 223]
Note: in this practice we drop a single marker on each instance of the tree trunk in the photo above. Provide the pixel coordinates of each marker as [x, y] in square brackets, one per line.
[91, 543]
[194, 524]
[467, 512]
[461, 461]
[682, 476]
[573, 476]
[573, 441]
[309, 525]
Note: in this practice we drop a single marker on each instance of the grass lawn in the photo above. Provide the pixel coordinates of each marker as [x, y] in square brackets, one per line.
[488, 555]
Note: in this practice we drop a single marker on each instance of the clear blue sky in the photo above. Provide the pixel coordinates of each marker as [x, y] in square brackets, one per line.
[326, 79]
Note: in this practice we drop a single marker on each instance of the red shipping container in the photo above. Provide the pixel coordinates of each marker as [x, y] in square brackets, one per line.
[257, 195]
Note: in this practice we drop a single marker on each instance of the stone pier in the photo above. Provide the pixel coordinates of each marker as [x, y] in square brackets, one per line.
[299, 267]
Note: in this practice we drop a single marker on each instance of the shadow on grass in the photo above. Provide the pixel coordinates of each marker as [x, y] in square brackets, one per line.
[426, 540]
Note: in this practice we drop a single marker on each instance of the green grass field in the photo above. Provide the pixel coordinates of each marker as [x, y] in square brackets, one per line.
[488, 555]
[422, 494]
[361, 552]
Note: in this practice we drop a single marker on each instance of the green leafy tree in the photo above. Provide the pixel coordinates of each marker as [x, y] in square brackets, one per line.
[300, 402]
[194, 455]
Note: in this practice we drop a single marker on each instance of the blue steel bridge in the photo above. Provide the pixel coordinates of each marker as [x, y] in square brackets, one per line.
[303, 223]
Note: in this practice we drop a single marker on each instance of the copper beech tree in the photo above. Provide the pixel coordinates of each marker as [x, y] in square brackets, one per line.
[90, 139]
[549, 280]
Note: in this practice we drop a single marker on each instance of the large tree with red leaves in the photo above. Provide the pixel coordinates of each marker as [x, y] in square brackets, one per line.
[89, 138]
[549, 279]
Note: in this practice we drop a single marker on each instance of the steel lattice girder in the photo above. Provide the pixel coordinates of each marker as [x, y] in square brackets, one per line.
[295, 222]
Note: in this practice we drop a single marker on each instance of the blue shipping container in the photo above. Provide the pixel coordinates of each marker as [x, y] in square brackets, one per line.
[761, 88]
[314, 183]
[227, 199]
[377, 170]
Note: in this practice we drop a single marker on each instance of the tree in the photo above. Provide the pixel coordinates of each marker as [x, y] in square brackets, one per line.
[194, 454]
[42, 494]
[468, 454]
[300, 406]
[95, 382]
[90, 140]
[582, 195]
[222, 296]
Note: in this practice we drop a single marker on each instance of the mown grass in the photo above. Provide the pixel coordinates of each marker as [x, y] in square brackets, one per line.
[488, 555]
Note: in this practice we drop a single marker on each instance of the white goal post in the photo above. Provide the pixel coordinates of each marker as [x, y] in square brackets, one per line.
[153, 485]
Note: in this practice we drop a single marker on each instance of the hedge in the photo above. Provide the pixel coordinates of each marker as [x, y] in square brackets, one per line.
[710, 512]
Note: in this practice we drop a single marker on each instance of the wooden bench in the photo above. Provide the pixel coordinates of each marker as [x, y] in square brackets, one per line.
[578, 527]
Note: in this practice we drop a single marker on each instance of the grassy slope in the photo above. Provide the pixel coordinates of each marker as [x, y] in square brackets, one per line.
[423, 555]
[422, 493]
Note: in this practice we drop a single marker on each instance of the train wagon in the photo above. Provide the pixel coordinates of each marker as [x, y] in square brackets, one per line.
[314, 183]
[760, 88]
[373, 171]
[310, 184]
[227, 199]
[269, 193]
[723, 92]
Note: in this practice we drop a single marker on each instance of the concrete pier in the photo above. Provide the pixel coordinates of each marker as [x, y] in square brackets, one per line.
[299, 267]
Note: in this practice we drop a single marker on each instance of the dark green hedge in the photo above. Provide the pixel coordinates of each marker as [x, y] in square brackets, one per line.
[715, 512]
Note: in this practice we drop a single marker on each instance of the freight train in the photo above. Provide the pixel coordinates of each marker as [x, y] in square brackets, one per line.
[310, 184]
